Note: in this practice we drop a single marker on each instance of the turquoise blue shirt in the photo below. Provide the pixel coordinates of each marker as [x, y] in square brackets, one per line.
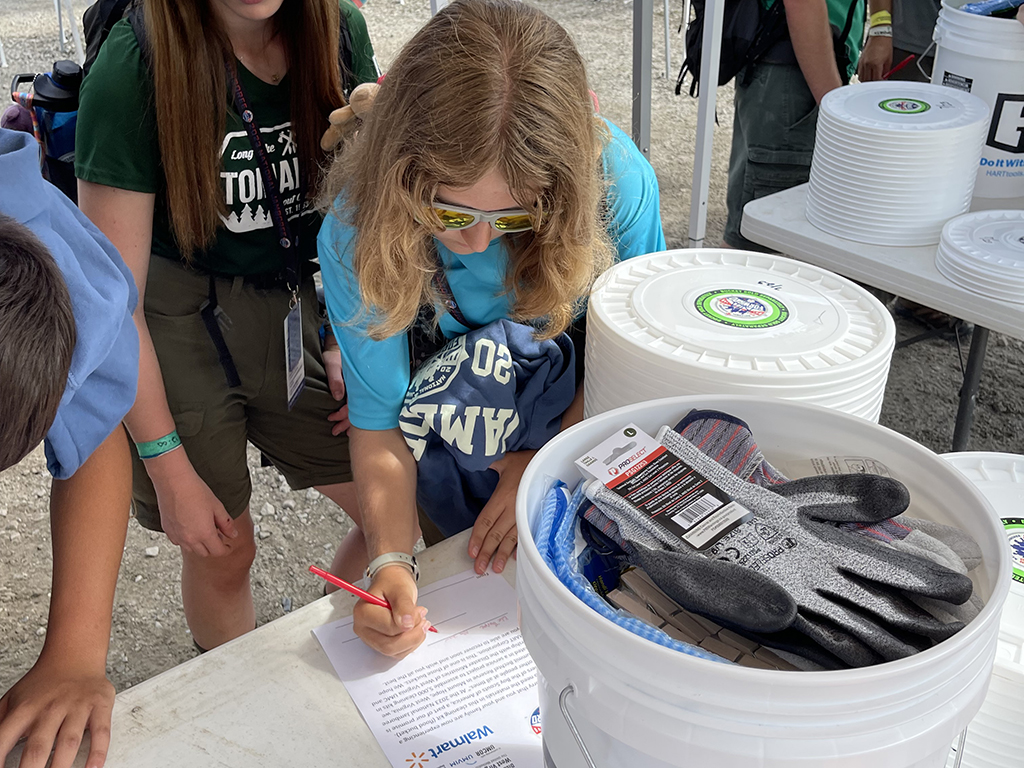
[377, 372]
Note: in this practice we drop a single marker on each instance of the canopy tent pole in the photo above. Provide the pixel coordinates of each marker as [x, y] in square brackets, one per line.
[711, 46]
[710, 56]
[643, 47]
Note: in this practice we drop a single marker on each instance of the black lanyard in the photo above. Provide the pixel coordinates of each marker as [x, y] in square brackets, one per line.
[440, 282]
[285, 237]
[211, 313]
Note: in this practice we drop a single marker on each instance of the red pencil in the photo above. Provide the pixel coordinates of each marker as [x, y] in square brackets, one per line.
[360, 593]
[899, 66]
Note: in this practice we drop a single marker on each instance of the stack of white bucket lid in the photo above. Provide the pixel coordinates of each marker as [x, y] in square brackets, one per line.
[984, 252]
[734, 322]
[995, 738]
[893, 161]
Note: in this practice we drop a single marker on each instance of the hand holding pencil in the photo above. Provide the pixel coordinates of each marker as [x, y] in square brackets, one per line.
[403, 627]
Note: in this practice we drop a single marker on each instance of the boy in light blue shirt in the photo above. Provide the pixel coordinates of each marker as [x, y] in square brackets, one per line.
[68, 374]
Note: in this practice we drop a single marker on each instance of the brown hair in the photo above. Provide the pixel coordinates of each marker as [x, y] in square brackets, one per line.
[486, 84]
[189, 53]
[37, 339]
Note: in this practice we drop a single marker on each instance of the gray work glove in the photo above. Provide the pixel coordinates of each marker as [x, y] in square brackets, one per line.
[791, 568]
[729, 441]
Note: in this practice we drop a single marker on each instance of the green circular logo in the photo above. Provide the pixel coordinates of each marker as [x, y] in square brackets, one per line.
[629, 432]
[1015, 533]
[741, 309]
[905, 106]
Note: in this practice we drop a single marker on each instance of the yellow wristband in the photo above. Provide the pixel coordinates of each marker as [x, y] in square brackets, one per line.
[880, 17]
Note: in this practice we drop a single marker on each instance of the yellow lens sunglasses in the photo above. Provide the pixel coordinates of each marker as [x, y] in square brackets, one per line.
[510, 220]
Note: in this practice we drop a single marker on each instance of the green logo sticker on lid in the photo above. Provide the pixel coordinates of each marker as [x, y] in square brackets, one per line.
[741, 308]
[905, 106]
[1015, 534]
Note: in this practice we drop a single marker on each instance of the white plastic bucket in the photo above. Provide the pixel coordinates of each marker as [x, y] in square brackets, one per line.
[635, 704]
[995, 738]
[985, 56]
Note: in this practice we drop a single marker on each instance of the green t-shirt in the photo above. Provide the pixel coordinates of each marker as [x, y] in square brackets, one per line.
[838, 10]
[116, 145]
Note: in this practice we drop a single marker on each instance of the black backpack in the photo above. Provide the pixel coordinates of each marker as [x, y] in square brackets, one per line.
[749, 32]
[100, 17]
[97, 21]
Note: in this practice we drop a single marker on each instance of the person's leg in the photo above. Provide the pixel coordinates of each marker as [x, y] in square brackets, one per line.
[737, 170]
[210, 420]
[215, 591]
[773, 141]
[299, 442]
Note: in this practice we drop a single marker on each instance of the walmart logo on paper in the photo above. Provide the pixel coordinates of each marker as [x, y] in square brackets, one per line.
[466, 738]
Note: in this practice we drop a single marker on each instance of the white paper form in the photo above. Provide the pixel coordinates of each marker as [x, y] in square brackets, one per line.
[466, 697]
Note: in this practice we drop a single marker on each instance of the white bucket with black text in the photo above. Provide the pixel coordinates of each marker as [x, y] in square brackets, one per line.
[614, 700]
[985, 56]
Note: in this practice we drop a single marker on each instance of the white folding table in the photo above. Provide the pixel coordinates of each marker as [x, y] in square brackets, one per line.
[266, 700]
[778, 221]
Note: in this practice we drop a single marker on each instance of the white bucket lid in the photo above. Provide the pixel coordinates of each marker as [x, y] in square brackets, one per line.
[892, 179]
[847, 212]
[973, 279]
[914, 137]
[895, 205]
[897, 165]
[903, 107]
[993, 238]
[866, 229]
[662, 376]
[741, 315]
[1000, 477]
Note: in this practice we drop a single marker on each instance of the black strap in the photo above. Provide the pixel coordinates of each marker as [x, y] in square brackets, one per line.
[287, 240]
[440, 281]
[842, 53]
[210, 320]
[345, 60]
[210, 310]
[849, 21]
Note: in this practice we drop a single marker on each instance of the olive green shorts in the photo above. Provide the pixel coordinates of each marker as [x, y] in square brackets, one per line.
[773, 133]
[214, 420]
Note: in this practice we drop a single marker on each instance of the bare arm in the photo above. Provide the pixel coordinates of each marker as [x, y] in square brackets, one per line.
[811, 35]
[385, 475]
[67, 690]
[876, 58]
[126, 218]
[193, 513]
[495, 533]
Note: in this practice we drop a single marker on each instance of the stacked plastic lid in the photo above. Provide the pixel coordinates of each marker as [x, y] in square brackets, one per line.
[995, 738]
[732, 322]
[893, 161]
[984, 252]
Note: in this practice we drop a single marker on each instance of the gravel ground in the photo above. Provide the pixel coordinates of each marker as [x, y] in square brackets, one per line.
[149, 633]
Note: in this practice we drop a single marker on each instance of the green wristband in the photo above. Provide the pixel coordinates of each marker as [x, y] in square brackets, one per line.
[158, 447]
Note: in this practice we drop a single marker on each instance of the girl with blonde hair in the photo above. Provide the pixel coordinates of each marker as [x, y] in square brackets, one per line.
[481, 186]
[197, 155]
